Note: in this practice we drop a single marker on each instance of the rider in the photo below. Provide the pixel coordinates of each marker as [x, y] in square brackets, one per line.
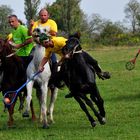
[55, 45]
[20, 40]
[45, 21]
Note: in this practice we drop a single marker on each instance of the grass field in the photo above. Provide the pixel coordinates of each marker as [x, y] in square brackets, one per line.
[121, 95]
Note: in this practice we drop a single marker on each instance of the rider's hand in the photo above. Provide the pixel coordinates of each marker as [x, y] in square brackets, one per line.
[41, 68]
[31, 23]
[17, 46]
[11, 43]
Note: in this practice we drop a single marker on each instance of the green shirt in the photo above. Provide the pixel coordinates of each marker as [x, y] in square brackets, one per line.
[19, 36]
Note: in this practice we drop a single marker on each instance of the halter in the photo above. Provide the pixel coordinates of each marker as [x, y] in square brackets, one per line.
[74, 51]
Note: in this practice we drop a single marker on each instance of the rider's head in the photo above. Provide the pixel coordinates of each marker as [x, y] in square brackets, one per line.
[44, 15]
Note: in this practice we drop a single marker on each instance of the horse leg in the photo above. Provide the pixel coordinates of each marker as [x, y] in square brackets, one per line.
[32, 111]
[84, 108]
[22, 96]
[100, 104]
[44, 89]
[90, 104]
[39, 95]
[51, 104]
[28, 99]
[11, 112]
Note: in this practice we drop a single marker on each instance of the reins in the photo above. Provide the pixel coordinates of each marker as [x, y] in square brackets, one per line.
[10, 55]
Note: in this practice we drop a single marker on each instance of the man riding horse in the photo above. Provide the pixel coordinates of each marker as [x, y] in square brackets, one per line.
[77, 72]
[56, 44]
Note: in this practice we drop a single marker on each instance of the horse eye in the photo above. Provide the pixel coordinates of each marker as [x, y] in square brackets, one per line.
[38, 30]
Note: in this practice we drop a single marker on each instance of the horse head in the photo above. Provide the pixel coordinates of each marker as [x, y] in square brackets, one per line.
[5, 48]
[41, 34]
[72, 45]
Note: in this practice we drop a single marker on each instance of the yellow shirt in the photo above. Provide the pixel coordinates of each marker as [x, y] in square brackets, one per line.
[50, 23]
[59, 43]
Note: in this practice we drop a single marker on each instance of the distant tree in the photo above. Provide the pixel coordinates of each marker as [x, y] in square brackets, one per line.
[5, 11]
[110, 33]
[67, 15]
[31, 9]
[132, 11]
[96, 23]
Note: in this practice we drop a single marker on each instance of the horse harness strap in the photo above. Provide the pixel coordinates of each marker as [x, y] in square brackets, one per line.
[74, 51]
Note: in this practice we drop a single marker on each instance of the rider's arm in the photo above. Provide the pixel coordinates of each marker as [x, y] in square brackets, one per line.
[42, 63]
[31, 27]
[44, 60]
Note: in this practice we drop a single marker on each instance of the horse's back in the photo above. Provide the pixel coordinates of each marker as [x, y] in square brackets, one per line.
[80, 72]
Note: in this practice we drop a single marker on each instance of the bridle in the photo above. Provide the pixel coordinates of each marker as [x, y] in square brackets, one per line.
[75, 51]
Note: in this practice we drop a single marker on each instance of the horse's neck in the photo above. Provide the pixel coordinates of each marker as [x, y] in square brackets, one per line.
[7, 50]
[39, 53]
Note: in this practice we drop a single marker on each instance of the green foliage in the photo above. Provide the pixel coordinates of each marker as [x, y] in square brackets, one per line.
[5, 11]
[114, 34]
[67, 15]
[95, 30]
[30, 9]
[132, 11]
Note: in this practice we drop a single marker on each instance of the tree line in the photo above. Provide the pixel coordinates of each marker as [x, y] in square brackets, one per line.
[70, 18]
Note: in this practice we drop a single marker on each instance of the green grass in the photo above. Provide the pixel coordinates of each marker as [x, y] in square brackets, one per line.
[121, 96]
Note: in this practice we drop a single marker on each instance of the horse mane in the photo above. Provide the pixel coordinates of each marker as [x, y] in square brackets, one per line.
[7, 49]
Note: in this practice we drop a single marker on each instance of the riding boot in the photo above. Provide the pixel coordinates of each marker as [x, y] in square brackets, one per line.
[104, 75]
[100, 73]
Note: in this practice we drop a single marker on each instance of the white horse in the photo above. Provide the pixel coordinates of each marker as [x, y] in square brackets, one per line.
[41, 80]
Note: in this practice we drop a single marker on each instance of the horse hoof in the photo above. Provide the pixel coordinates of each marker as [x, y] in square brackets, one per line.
[20, 108]
[103, 121]
[33, 118]
[51, 122]
[93, 124]
[45, 126]
[10, 124]
[25, 114]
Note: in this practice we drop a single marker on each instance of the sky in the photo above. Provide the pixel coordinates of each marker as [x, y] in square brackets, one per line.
[108, 9]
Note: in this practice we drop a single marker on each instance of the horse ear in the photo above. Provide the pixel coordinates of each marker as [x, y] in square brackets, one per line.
[76, 35]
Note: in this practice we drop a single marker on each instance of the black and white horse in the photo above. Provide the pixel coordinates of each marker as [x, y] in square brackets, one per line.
[41, 83]
[78, 74]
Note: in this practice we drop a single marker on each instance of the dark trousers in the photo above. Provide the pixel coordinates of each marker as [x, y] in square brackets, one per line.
[53, 58]
[92, 62]
[54, 63]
